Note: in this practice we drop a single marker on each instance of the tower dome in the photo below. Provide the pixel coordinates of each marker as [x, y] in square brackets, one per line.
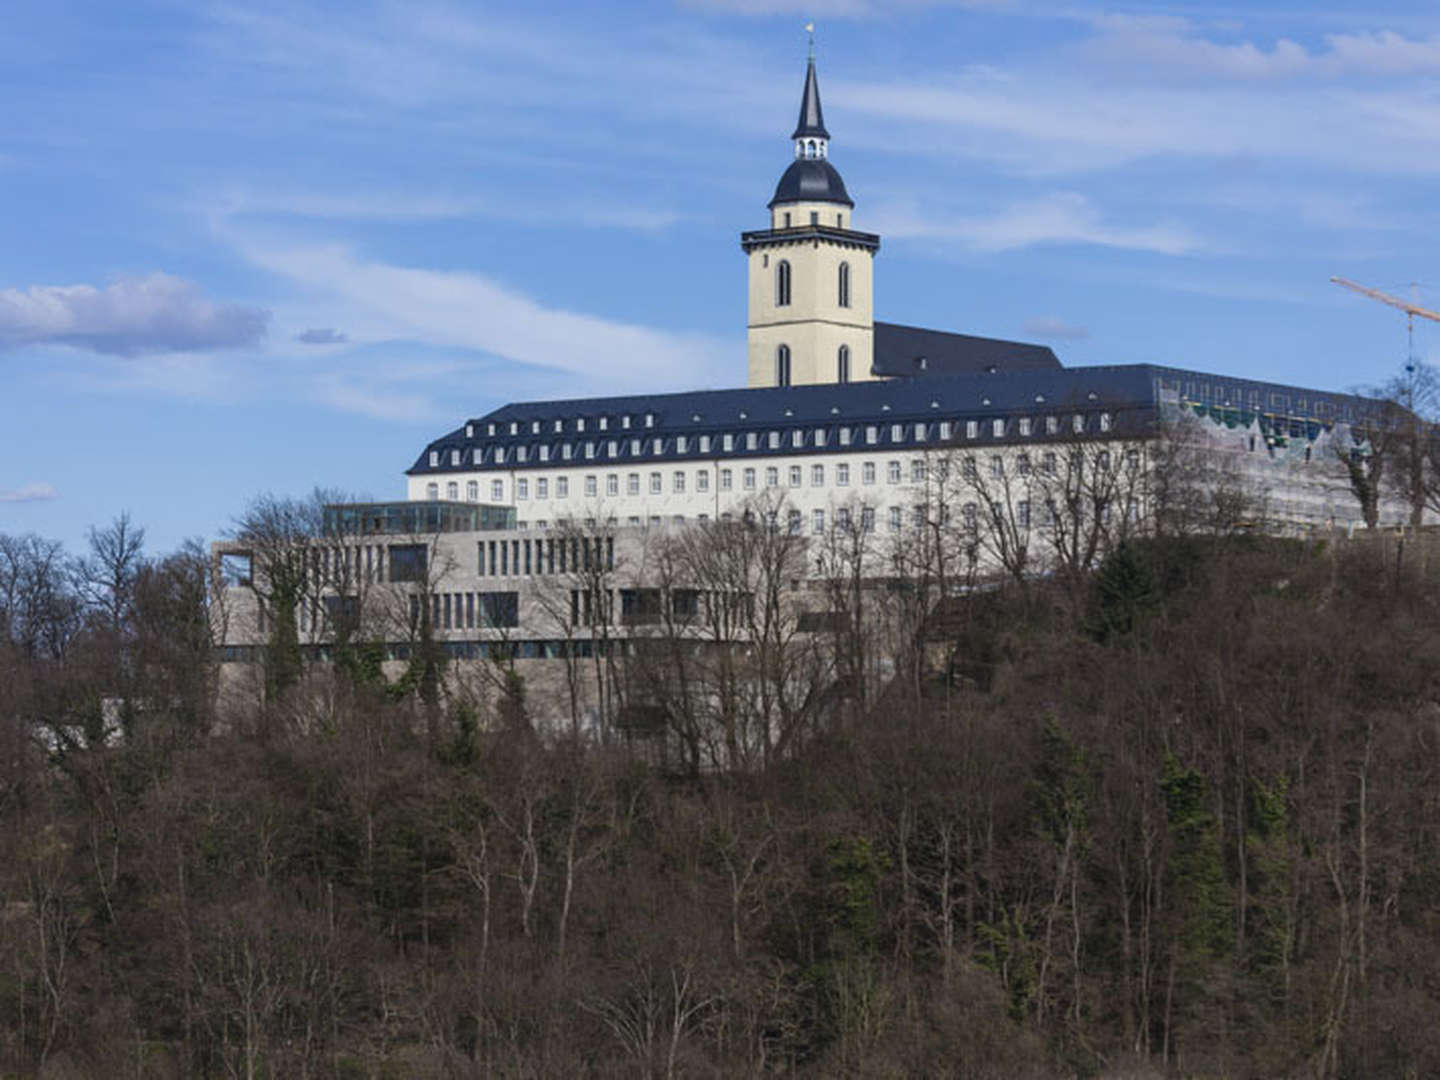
[811, 177]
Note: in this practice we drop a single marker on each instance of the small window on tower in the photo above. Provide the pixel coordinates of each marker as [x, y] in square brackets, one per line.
[782, 283]
[814, 217]
[787, 219]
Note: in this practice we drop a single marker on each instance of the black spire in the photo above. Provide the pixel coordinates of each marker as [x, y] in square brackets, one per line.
[812, 119]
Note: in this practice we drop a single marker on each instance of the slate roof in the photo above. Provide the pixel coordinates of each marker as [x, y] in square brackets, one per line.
[906, 414]
[900, 350]
[811, 180]
[812, 117]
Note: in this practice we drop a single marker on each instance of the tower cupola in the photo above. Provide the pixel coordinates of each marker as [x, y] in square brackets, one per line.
[811, 139]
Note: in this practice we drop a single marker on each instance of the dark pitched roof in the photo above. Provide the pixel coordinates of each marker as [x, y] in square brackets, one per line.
[812, 118]
[912, 350]
[1127, 391]
[811, 180]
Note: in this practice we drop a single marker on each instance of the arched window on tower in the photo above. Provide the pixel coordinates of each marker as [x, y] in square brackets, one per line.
[844, 284]
[810, 149]
[782, 283]
[842, 364]
[782, 366]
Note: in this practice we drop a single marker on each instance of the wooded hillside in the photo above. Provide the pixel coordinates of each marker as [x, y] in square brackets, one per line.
[1191, 828]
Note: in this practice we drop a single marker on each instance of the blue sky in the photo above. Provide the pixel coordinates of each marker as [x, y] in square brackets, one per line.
[254, 247]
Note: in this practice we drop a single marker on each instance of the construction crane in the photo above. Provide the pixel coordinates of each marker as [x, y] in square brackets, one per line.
[1411, 310]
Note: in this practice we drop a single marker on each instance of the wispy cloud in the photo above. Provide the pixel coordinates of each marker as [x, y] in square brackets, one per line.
[1048, 326]
[836, 9]
[1058, 218]
[132, 316]
[322, 336]
[388, 207]
[29, 493]
[474, 311]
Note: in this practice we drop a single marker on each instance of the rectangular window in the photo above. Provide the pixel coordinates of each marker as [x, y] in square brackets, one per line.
[592, 487]
[632, 483]
[944, 429]
[1022, 464]
[774, 440]
[796, 476]
[895, 519]
[562, 487]
[567, 451]
[679, 483]
[1024, 425]
[997, 466]
[794, 522]
[867, 519]
[817, 475]
[704, 444]
[919, 432]
[727, 442]
[749, 479]
[752, 440]
[797, 439]
[1022, 513]
[434, 459]
[497, 490]
[725, 479]
[1104, 421]
[542, 489]
[1078, 423]
[635, 448]
[521, 453]
[522, 489]
[868, 472]
[893, 472]
[917, 471]
[997, 428]
[612, 484]
[897, 432]
[772, 477]
[589, 451]
[604, 423]
[659, 446]
[656, 482]
[1052, 425]
[872, 434]
[842, 519]
[702, 480]
[817, 521]
[500, 609]
[407, 562]
[544, 453]
[842, 475]
[972, 429]
[682, 444]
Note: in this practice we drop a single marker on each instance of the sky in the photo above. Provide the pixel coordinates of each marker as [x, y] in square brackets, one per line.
[252, 247]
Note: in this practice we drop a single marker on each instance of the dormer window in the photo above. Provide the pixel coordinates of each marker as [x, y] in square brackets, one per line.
[534, 427]
[434, 459]
[580, 424]
[469, 431]
[514, 428]
[490, 429]
[649, 419]
[455, 457]
[478, 456]
[625, 423]
[604, 423]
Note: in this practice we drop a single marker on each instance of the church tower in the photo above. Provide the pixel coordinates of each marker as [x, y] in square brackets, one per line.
[812, 314]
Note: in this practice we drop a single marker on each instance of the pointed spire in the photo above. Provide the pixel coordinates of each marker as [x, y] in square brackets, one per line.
[812, 119]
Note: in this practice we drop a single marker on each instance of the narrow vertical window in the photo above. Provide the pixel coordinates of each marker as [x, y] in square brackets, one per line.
[782, 283]
[844, 283]
[842, 364]
[782, 366]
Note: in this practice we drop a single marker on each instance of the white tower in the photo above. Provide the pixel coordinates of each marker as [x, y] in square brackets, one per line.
[812, 313]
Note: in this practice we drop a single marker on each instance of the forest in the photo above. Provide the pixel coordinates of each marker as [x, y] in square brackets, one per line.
[1181, 818]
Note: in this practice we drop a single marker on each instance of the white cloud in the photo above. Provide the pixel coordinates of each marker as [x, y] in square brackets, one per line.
[1173, 48]
[29, 493]
[322, 335]
[836, 9]
[1048, 326]
[403, 208]
[471, 311]
[132, 316]
[1060, 218]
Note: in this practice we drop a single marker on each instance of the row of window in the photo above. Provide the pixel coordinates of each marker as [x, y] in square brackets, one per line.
[783, 372]
[794, 477]
[566, 555]
[783, 275]
[468, 610]
[818, 438]
[578, 424]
